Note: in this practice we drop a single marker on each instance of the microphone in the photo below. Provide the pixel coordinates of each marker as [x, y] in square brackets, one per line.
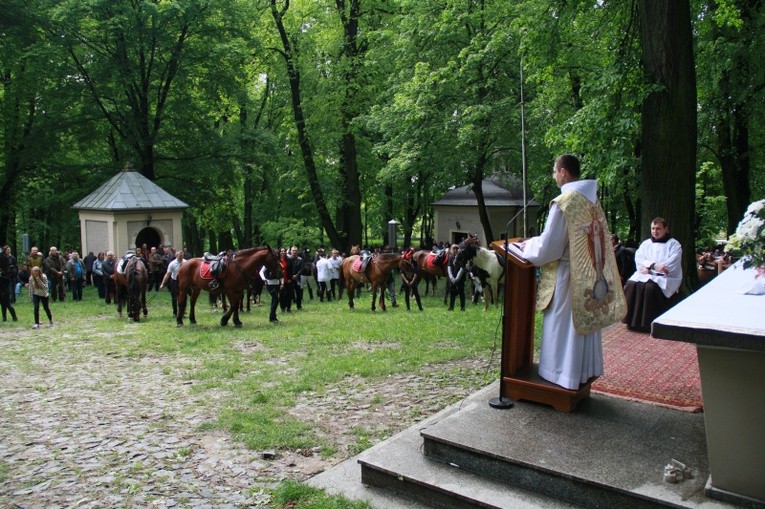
[512, 220]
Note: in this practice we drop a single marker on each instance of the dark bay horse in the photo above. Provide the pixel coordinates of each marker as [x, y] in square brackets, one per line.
[241, 270]
[432, 270]
[376, 275]
[131, 286]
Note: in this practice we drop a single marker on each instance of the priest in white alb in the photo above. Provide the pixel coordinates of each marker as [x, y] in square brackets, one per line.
[579, 291]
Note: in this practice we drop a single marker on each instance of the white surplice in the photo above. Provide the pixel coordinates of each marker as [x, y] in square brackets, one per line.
[566, 358]
[669, 253]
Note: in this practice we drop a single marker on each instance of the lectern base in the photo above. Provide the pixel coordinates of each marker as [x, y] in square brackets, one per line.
[500, 403]
[526, 384]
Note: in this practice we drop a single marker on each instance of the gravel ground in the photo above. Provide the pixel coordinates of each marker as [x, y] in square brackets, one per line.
[84, 430]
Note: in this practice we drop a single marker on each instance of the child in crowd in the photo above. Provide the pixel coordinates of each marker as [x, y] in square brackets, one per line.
[38, 292]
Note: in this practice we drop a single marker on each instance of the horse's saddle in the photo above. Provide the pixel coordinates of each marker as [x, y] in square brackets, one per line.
[438, 257]
[213, 266]
[362, 264]
[124, 261]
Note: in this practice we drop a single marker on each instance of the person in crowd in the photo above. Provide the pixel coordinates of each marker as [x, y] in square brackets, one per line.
[285, 291]
[75, 273]
[35, 258]
[307, 273]
[156, 267]
[625, 258]
[296, 263]
[38, 293]
[22, 279]
[411, 279]
[12, 273]
[171, 276]
[323, 276]
[335, 267]
[108, 268]
[98, 273]
[272, 282]
[55, 265]
[575, 259]
[652, 289]
[88, 261]
[6, 286]
[456, 276]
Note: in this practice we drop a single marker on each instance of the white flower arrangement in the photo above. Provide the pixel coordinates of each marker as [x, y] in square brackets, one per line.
[749, 239]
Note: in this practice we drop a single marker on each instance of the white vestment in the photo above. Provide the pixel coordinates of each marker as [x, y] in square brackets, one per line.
[566, 358]
[669, 253]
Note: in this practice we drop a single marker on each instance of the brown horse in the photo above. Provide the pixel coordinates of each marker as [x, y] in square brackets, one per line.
[242, 268]
[376, 275]
[130, 286]
[433, 270]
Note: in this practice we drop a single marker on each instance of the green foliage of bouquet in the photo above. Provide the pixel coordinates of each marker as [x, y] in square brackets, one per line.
[749, 239]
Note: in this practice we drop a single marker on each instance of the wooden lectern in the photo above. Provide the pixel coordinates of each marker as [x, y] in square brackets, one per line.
[519, 377]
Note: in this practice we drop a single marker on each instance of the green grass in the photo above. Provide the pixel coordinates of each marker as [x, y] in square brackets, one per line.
[263, 368]
[300, 496]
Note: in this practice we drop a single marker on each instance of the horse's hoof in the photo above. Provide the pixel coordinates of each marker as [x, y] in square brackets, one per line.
[238, 325]
[179, 325]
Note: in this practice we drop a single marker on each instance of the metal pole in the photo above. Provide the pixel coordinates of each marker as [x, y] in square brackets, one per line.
[523, 153]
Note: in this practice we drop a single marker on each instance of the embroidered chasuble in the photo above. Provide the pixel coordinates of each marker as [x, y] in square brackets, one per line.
[597, 298]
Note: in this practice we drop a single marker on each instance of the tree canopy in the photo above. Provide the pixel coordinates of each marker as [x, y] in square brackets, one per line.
[316, 122]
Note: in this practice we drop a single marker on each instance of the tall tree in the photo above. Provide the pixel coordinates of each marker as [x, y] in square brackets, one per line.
[289, 53]
[669, 123]
[128, 56]
[730, 94]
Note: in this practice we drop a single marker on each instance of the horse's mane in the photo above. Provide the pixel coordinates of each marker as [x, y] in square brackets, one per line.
[249, 250]
[472, 240]
[388, 256]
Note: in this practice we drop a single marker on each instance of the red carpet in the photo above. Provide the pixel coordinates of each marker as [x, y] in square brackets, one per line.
[656, 371]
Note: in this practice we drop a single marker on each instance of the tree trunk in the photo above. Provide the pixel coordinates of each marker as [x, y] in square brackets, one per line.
[303, 139]
[669, 124]
[350, 209]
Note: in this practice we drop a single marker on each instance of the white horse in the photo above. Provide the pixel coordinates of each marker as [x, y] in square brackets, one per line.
[485, 259]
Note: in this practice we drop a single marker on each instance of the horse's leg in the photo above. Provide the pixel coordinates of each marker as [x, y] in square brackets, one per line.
[374, 296]
[233, 309]
[181, 303]
[236, 306]
[351, 289]
[383, 289]
[192, 307]
[143, 303]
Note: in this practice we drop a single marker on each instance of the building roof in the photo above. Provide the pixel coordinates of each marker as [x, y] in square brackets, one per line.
[129, 190]
[499, 190]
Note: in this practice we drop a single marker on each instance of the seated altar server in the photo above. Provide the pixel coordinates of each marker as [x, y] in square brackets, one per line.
[652, 289]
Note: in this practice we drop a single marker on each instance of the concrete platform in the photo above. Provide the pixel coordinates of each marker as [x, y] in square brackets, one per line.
[607, 453]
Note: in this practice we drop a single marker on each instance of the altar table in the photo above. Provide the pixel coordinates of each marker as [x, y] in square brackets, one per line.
[728, 328]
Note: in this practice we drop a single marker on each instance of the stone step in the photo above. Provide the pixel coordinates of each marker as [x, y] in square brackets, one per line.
[607, 453]
[401, 469]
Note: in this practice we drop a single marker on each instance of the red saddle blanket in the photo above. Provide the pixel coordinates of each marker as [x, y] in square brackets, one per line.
[357, 265]
[204, 271]
[431, 260]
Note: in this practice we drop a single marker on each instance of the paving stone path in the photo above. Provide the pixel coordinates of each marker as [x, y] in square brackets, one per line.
[84, 430]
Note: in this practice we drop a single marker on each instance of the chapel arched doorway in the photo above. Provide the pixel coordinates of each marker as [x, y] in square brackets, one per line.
[148, 236]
